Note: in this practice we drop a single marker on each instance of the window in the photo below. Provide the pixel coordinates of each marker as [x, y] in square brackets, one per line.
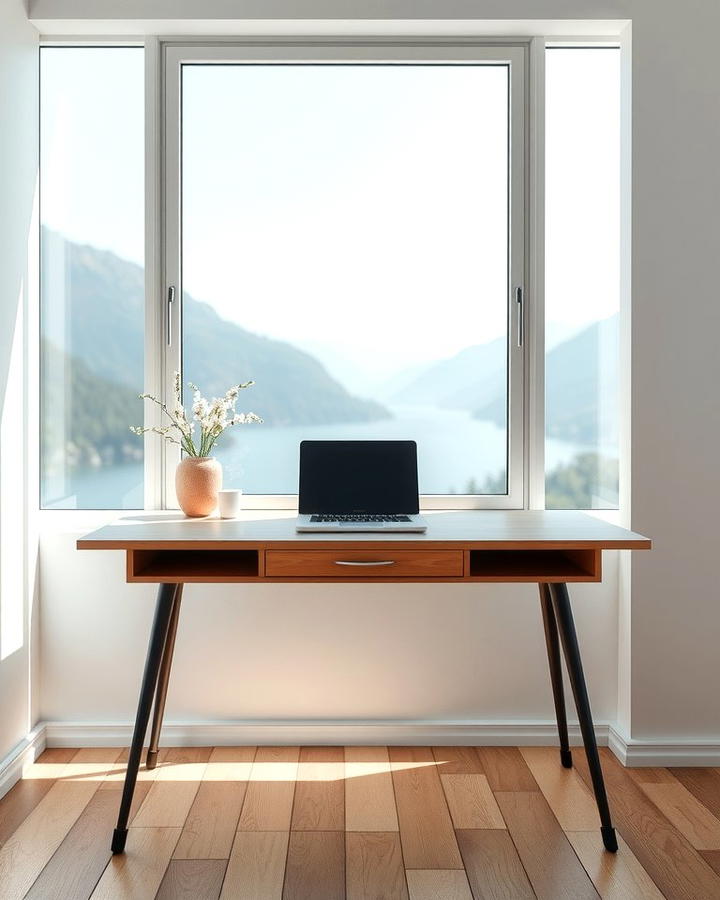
[92, 282]
[343, 235]
[582, 290]
[346, 226]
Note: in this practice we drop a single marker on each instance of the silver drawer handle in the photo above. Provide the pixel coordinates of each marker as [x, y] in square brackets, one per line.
[355, 562]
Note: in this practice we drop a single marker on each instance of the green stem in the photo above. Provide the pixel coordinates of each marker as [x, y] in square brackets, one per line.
[186, 441]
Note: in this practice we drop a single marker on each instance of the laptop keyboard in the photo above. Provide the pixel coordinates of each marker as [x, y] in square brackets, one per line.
[351, 520]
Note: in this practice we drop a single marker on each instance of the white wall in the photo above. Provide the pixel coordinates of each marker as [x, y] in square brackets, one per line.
[451, 654]
[676, 369]
[18, 172]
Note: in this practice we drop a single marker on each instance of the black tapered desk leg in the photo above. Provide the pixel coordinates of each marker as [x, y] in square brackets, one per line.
[163, 611]
[163, 680]
[568, 638]
[553, 652]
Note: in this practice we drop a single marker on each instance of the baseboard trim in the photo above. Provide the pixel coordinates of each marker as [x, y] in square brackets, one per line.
[630, 752]
[81, 734]
[637, 753]
[26, 752]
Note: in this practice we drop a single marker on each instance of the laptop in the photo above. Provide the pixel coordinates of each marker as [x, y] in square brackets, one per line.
[359, 486]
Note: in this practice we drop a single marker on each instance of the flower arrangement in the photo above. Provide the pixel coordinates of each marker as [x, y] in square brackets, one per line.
[213, 417]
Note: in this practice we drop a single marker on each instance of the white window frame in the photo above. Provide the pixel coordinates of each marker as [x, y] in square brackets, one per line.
[164, 67]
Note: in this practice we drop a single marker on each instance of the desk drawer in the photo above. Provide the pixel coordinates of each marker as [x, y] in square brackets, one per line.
[339, 564]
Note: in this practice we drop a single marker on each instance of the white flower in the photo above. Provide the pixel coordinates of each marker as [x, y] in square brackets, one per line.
[201, 408]
[213, 416]
[245, 419]
[218, 413]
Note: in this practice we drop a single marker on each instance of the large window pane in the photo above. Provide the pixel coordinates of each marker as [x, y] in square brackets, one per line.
[582, 291]
[345, 245]
[92, 315]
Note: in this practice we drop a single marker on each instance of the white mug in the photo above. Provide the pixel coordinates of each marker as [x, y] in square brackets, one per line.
[230, 504]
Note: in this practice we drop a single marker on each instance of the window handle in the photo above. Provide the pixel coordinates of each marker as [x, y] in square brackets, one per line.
[170, 301]
[520, 300]
[356, 562]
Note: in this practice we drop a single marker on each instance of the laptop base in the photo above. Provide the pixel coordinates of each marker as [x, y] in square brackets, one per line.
[416, 525]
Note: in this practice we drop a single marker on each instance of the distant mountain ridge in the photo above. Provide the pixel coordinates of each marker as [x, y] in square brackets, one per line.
[94, 360]
[581, 400]
[472, 377]
[581, 387]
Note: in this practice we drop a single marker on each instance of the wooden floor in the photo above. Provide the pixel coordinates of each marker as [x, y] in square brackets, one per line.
[398, 823]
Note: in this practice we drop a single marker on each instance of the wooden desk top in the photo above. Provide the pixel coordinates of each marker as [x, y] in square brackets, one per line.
[467, 529]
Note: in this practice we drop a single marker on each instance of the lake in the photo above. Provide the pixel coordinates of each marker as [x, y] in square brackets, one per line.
[453, 449]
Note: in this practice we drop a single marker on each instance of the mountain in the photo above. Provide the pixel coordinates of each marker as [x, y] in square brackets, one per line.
[393, 387]
[101, 329]
[291, 386]
[471, 377]
[85, 417]
[581, 401]
[581, 387]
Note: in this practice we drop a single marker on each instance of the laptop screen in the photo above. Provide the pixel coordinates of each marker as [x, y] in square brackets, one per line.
[350, 477]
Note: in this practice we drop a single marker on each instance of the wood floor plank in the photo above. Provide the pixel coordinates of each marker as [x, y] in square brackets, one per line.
[28, 849]
[24, 796]
[369, 794]
[315, 866]
[565, 791]
[712, 858]
[256, 869]
[374, 866]
[670, 860]
[230, 764]
[506, 770]
[91, 765]
[320, 790]
[471, 802]
[137, 873]
[693, 820]
[438, 884]
[192, 879]
[426, 830]
[703, 783]
[493, 866]
[77, 864]
[115, 777]
[650, 775]
[458, 761]
[211, 823]
[269, 796]
[554, 870]
[616, 876]
[173, 789]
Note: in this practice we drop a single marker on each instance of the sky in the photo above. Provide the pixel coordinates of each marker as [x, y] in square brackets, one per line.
[358, 211]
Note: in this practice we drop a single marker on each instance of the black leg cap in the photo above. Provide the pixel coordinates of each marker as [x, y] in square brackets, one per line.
[609, 838]
[118, 840]
[151, 760]
[566, 758]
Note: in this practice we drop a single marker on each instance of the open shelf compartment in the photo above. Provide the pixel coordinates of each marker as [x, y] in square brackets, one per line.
[535, 565]
[192, 565]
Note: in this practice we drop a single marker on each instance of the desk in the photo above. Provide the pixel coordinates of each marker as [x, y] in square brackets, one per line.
[551, 549]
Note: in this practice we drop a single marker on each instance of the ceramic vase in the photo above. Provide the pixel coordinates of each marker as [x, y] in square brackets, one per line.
[197, 482]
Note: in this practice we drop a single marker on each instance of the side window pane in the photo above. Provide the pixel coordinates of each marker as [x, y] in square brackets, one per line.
[92, 287]
[345, 245]
[582, 288]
